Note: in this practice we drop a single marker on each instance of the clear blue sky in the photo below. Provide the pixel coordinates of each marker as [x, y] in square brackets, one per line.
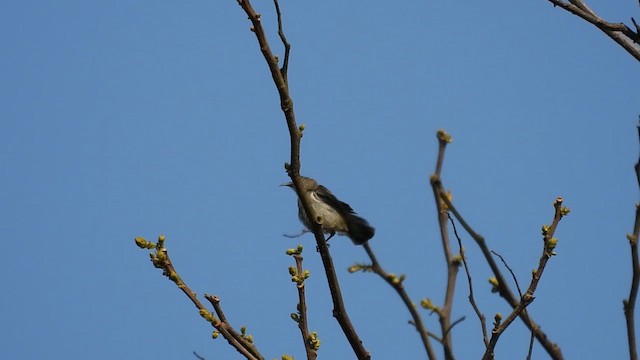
[139, 118]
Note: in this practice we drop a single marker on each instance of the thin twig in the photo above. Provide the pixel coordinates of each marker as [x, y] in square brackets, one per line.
[287, 47]
[461, 319]
[293, 169]
[515, 279]
[397, 284]
[630, 303]
[530, 351]
[472, 300]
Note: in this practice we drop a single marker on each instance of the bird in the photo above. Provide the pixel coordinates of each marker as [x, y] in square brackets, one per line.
[332, 214]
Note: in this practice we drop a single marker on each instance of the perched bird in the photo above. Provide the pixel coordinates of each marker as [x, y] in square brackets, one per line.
[332, 214]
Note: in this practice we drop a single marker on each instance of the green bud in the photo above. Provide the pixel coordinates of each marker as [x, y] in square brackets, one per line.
[427, 304]
[545, 230]
[444, 136]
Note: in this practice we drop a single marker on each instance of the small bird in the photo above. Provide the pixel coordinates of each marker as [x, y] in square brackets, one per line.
[332, 214]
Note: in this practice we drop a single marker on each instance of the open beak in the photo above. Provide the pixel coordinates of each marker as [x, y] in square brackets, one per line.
[289, 184]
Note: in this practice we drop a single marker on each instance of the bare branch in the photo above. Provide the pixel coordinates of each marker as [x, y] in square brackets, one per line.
[293, 169]
[515, 279]
[619, 32]
[630, 303]
[299, 275]
[444, 314]
[397, 284]
[505, 292]
[472, 300]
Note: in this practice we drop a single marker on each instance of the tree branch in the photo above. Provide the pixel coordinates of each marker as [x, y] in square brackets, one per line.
[279, 76]
[472, 300]
[503, 288]
[160, 259]
[444, 314]
[298, 275]
[629, 304]
[619, 32]
[397, 284]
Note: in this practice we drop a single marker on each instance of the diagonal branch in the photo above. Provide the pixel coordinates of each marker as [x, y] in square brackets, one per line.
[630, 303]
[160, 259]
[619, 32]
[549, 245]
[397, 284]
[280, 80]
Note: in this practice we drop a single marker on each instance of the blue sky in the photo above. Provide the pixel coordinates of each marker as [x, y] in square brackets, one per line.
[139, 118]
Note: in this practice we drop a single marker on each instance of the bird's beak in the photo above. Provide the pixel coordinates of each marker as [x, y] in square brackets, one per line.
[289, 184]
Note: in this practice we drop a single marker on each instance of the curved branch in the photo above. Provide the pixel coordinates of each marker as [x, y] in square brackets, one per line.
[472, 299]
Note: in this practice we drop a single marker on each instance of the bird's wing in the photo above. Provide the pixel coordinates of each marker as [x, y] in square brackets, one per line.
[327, 196]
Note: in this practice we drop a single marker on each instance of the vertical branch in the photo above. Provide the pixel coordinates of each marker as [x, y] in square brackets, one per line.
[280, 80]
[630, 303]
[298, 275]
[444, 314]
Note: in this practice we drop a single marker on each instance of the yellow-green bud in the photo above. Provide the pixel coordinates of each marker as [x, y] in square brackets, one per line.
[427, 304]
[444, 136]
[545, 230]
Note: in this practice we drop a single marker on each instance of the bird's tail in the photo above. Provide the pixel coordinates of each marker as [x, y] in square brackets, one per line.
[359, 229]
